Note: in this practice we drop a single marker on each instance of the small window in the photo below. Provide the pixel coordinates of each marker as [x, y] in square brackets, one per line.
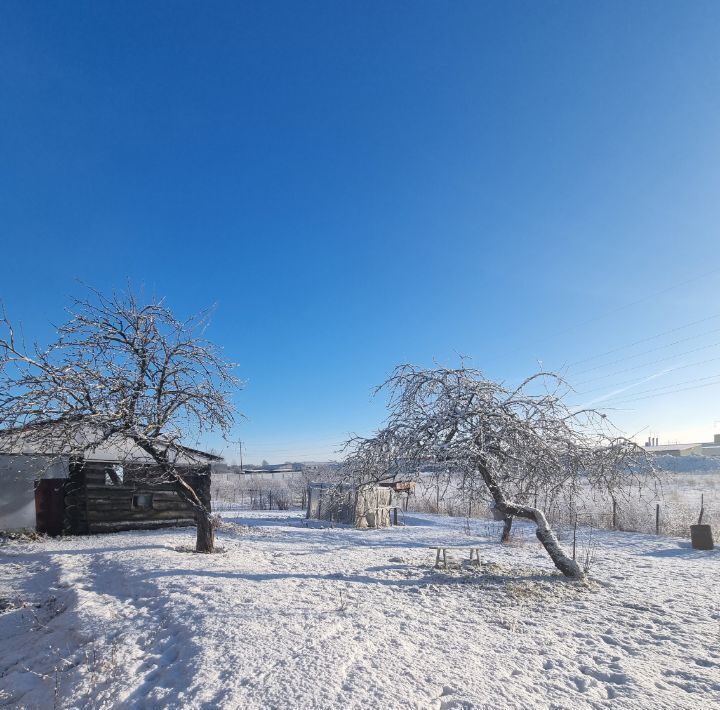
[142, 501]
[114, 476]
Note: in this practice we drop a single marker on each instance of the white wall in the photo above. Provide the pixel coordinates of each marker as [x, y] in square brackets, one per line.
[17, 487]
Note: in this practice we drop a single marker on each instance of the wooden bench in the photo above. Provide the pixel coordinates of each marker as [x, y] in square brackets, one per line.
[441, 553]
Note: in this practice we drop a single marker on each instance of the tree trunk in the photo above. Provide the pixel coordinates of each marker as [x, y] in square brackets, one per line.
[507, 526]
[205, 532]
[544, 532]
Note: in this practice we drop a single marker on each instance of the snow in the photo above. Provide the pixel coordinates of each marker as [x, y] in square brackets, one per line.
[296, 615]
[688, 464]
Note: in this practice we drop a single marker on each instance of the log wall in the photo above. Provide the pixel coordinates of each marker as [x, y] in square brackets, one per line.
[94, 505]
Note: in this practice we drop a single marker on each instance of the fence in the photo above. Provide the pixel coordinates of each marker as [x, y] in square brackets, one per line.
[261, 497]
[661, 517]
[670, 515]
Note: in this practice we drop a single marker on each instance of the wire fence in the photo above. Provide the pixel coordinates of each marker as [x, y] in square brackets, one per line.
[670, 515]
[225, 499]
[661, 517]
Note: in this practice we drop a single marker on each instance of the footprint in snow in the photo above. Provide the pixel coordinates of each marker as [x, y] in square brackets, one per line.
[446, 701]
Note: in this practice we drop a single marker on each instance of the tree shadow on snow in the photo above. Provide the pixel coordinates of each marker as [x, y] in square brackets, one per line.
[684, 551]
[48, 554]
[425, 575]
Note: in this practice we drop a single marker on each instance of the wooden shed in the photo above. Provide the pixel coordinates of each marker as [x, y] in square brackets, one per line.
[104, 490]
[106, 497]
[364, 506]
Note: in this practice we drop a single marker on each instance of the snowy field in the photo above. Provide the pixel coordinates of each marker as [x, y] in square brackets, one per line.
[296, 616]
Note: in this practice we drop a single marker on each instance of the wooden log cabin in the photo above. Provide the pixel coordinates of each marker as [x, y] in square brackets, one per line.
[103, 497]
[105, 489]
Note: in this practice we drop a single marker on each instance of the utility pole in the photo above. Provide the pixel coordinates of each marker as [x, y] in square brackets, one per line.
[241, 466]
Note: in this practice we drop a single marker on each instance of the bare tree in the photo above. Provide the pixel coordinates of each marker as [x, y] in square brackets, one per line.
[512, 441]
[120, 371]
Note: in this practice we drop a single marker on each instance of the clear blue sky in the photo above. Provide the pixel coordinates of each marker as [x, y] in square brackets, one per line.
[365, 183]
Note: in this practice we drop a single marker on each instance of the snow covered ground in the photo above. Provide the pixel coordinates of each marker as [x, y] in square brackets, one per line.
[296, 616]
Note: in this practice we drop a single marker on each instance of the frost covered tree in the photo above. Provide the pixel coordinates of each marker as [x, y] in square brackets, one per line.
[305, 475]
[120, 370]
[511, 441]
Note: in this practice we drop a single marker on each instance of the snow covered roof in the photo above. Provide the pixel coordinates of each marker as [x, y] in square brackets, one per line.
[662, 448]
[91, 446]
[711, 449]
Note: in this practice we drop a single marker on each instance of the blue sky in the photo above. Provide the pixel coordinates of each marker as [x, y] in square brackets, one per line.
[362, 184]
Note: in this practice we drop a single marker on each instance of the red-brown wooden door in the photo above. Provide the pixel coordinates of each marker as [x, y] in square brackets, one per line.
[49, 505]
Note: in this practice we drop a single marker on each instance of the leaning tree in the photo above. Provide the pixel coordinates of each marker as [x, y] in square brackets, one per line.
[120, 371]
[511, 441]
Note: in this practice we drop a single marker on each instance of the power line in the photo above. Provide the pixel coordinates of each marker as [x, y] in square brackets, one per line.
[648, 364]
[643, 299]
[619, 309]
[665, 372]
[662, 394]
[622, 395]
[647, 352]
[644, 340]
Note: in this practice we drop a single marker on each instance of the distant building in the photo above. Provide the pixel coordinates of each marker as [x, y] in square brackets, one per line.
[710, 448]
[675, 449]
